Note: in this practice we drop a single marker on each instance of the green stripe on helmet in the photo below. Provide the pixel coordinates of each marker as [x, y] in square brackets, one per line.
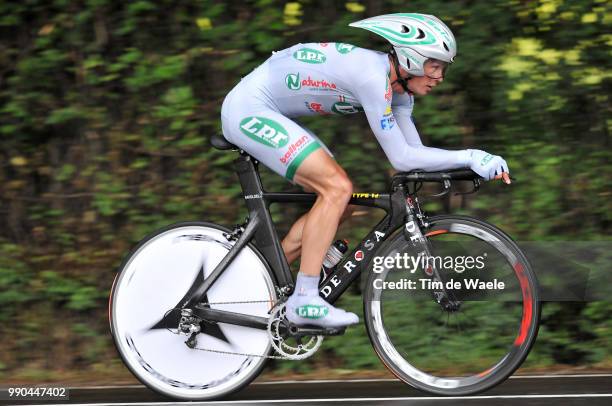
[400, 38]
[429, 21]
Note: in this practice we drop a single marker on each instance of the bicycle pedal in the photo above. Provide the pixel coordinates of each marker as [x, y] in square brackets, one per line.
[309, 331]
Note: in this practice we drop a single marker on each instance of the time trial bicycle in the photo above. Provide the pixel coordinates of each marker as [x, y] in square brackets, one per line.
[450, 303]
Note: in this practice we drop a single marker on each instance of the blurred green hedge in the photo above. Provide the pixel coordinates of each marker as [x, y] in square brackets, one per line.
[106, 108]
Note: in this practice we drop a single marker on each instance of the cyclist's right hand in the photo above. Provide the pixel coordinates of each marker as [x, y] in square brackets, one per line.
[488, 166]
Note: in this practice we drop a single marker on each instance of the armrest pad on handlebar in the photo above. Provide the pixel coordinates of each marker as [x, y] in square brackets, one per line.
[440, 176]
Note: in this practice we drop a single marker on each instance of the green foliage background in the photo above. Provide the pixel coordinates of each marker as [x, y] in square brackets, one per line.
[106, 108]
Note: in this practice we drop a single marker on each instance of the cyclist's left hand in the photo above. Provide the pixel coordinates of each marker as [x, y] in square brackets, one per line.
[505, 177]
[489, 166]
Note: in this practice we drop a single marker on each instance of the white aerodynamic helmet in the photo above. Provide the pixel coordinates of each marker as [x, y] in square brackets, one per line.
[415, 38]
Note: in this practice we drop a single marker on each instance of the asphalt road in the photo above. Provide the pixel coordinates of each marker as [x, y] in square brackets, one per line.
[558, 390]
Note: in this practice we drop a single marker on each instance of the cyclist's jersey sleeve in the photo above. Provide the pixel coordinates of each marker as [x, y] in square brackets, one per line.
[337, 78]
[402, 112]
[390, 117]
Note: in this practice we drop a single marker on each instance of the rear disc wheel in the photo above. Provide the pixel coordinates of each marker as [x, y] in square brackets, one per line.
[144, 313]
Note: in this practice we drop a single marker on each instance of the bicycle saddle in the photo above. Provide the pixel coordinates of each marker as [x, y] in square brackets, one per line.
[219, 142]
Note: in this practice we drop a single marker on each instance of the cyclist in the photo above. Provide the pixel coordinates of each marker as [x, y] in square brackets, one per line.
[338, 78]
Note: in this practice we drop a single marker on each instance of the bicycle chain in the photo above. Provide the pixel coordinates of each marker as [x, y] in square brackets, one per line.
[241, 353]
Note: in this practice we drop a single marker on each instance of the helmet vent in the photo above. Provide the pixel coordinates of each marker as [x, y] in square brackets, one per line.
[405, 29]
[445, 46]
[421, 34]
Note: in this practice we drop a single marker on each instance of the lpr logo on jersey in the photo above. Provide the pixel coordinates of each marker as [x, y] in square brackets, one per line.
[309, 55]
[264, 131]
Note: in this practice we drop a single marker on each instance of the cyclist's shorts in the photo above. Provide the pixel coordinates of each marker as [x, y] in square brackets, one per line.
[270, 137]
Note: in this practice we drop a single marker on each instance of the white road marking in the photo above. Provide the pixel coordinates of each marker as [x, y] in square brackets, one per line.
[323, 381]
[352, 400]
[561, 376]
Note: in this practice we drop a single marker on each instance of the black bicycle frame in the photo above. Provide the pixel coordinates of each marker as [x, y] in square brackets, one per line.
[259, 226]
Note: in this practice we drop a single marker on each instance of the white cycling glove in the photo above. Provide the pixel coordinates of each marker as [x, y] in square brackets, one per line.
[487, 165]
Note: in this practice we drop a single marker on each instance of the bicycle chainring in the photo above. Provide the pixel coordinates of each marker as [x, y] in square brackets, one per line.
[286, 346]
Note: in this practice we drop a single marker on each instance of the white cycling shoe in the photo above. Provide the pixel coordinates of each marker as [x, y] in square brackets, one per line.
[312, 310]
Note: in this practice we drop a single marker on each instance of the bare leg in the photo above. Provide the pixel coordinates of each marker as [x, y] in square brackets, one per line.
[292, 243]
[318, 227]
[328, 180]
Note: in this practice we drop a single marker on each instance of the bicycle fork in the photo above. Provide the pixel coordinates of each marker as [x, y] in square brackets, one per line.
[415, 222]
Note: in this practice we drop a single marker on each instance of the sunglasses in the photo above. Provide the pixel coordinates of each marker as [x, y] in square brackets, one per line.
[435, 69]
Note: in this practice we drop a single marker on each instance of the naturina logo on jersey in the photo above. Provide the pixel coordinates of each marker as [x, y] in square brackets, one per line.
[309, 55]
[293, 81]
[264, 131]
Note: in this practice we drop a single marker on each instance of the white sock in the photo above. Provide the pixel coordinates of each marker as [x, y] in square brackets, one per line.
[306, 285]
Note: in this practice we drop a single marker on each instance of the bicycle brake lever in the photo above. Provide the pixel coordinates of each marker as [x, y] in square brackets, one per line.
[447, 186]
[476, 183]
